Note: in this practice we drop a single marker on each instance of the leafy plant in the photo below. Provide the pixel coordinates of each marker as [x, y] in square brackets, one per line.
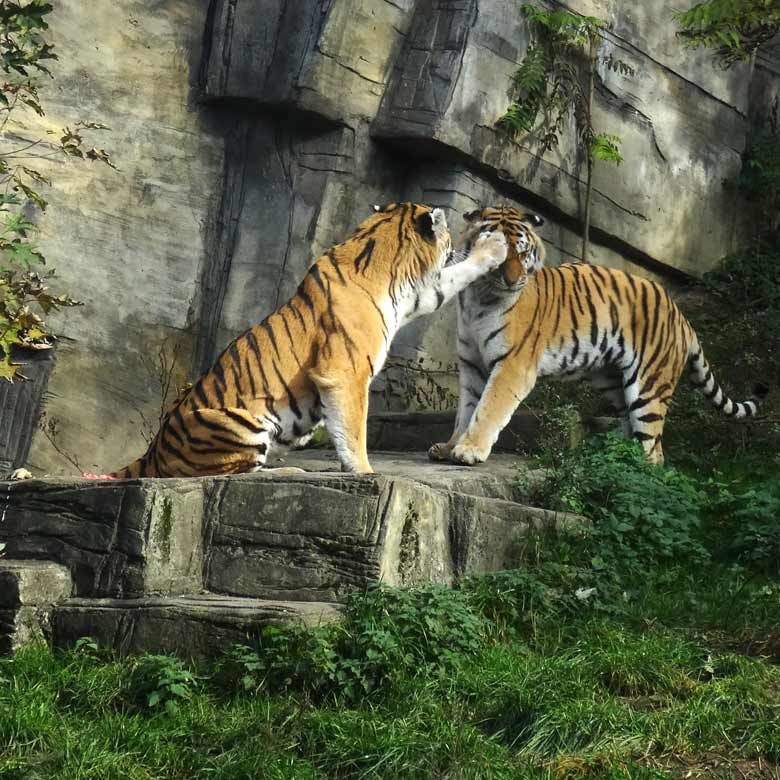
[734, 28]
[162, 681]
[753, 518]
[556, 78]
[642, 514]
[387, 635]
[25, 300]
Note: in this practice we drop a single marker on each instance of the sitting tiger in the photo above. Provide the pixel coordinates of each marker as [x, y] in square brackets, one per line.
[312, 360]
[524, 321]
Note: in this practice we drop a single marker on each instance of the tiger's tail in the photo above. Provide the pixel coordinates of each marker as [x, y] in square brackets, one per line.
[702, 378]
[133, 471]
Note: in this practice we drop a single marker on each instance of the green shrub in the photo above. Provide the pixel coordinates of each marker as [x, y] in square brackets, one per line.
[161, 681]
[387, 635]
[642, 514]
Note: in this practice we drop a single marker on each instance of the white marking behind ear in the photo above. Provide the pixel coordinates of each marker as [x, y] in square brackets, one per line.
[438, 218]
[376, 208]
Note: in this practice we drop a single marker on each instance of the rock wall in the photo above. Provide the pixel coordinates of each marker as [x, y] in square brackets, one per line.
[253, 134]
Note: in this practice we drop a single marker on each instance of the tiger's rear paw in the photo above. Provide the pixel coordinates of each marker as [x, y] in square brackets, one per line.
[467, 456]
[439, 452]
[20, 474]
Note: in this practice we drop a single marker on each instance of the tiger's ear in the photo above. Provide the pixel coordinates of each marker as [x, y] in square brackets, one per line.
[473, 216]
[428, 221]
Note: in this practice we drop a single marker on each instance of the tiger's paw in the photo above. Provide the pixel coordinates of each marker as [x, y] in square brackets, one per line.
[490, 249]
[439, 452]
[20, 474]
[468, 456]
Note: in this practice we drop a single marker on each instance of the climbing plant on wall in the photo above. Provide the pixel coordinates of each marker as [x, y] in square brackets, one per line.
[556, 79]
[25, 298]
[733, 28]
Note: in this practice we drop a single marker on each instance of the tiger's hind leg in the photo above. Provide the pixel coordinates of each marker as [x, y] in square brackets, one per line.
[648, 403]
[610, 385]
[216, 441]
[344, 399]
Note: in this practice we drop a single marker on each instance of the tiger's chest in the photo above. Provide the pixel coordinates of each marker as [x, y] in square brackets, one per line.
[481, 323]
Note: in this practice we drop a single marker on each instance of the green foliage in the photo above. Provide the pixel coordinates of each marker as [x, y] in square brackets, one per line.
[759, 178]
[750, 278]
[642, 514]
[556, 79]
[734, 28]
[161, 681]
[754, 516]
[551, 79]
[605, 147]
[387, 635]
[24, 297]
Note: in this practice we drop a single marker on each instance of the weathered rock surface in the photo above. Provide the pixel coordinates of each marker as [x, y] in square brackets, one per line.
[29, 591]
[195, 626]
[252, 135]
[156, 564]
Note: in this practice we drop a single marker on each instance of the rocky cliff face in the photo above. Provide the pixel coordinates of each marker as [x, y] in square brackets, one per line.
[252, 135]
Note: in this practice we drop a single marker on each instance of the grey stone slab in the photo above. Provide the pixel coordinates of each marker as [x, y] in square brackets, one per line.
[312, 536]
[497, 478]
[19, 627]
[309, 538]
[116, 539]
[200, 625]
[32, 583]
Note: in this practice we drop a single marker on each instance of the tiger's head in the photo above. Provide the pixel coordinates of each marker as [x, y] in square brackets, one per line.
[525, 249]
[412, 237]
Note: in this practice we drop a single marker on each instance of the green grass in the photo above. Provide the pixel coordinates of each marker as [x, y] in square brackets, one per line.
[593, 696]
[647, 647]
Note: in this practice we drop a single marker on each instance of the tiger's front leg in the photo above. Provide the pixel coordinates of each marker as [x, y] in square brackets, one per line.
[472, 378]
[488, 253]
[506, 388]
[344, 397]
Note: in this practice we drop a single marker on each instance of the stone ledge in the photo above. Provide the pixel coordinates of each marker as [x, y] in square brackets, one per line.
[28, 592]
[32, 583]
[196, 625]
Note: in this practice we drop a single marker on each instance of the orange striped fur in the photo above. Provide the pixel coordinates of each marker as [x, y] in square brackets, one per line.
[523, 321]
[312, 360]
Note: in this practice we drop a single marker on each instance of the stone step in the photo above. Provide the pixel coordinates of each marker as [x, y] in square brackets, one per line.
[191, 626]
[28, 592]
[292, 537]
[498, 478]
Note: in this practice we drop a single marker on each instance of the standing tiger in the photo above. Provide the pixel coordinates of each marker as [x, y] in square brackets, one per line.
[312, 360]
[524, 321]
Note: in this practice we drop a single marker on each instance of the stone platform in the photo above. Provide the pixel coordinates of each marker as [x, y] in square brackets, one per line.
[188, 565]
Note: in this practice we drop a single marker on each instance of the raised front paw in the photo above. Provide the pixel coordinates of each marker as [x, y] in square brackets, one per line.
[490, 249]
[439, 452]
